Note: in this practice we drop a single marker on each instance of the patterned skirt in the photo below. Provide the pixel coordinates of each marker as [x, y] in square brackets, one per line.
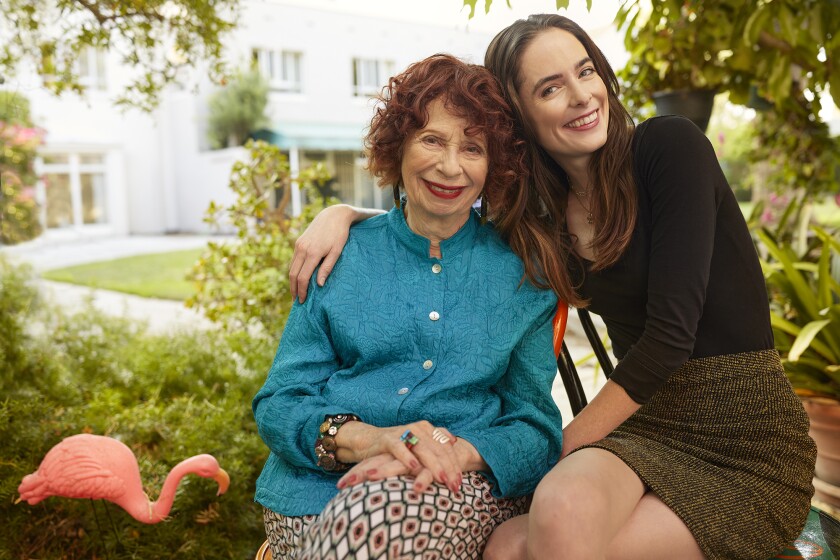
[724, 444]
[387, 519]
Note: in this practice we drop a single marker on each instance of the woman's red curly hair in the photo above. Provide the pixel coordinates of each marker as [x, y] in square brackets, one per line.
[469, 91]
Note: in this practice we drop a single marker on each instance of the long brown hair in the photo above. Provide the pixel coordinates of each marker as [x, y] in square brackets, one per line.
[534, 222]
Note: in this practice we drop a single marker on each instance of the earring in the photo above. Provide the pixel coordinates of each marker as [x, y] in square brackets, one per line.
[483, 210]
[397, 195]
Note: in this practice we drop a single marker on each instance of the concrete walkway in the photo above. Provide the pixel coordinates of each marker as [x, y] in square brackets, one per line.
[52, 252]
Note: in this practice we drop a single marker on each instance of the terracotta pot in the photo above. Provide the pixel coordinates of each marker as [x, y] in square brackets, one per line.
[825, 429]
[827, 493]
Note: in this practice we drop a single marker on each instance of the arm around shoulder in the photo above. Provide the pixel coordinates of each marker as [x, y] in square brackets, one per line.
[323, 240]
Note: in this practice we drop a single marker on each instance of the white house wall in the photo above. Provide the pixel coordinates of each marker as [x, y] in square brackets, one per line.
[128, 140]
[329, 42]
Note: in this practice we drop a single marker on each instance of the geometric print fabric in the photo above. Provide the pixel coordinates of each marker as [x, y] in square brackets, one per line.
[386, 519]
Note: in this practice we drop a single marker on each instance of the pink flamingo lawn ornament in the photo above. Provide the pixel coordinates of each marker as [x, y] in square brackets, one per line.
[91, 466]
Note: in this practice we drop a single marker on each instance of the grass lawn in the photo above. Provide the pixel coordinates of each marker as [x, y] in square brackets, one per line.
[158, 275]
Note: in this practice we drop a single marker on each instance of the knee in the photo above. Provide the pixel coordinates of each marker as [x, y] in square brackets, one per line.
[506, 543]
[557, 502]
[550, 500]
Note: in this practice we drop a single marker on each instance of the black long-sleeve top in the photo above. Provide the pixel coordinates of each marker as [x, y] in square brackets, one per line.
[689, 284]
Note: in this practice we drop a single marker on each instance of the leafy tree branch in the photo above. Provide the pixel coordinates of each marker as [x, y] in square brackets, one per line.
[157, 38]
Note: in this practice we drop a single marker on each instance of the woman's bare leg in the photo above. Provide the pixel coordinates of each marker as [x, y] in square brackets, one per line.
[581, 505]
[654, 532]
[509, 540]
[592, 505]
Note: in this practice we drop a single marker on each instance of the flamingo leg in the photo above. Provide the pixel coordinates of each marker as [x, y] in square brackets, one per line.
[99, 530]
[113, 527]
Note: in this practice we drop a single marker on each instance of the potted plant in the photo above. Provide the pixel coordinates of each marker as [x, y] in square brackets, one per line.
[805, 315]
[678, 52]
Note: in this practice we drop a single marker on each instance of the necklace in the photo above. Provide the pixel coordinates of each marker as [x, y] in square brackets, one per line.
[580, 195]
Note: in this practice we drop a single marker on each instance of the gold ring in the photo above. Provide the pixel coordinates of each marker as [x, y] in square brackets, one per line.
[439, 436]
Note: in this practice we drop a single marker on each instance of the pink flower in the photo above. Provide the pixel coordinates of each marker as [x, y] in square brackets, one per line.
[767, 216]
[27, 138]
[26, 194]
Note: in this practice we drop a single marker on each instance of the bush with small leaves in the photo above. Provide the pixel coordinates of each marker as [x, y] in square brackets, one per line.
[244, 285]
[166, 396]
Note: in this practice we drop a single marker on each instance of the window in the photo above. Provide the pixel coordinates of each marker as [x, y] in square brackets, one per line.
[280, 68]
[75, 189]
[91, 68]
[369, 75]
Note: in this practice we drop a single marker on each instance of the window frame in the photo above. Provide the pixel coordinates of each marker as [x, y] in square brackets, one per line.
[282, 68]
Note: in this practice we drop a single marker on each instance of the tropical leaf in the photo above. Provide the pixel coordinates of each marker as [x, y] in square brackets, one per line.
[778, 322]
[807, 339]
[801, 291]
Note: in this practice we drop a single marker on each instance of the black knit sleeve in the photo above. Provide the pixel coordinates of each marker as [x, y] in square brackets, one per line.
[678, 175]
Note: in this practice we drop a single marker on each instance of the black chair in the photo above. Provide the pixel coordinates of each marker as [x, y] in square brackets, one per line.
[821, 537]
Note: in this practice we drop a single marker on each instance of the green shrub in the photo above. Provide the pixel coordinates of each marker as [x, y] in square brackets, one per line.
[238, 109]
[244, 285]
[166, 396]
[805, 311]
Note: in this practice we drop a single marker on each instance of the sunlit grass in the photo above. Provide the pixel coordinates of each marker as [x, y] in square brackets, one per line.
[158, 275]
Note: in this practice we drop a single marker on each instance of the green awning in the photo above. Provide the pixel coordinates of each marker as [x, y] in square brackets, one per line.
[314, 136]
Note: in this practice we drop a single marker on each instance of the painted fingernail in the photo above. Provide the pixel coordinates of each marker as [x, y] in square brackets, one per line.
[371, 472]
[414, 464]
[443, 477]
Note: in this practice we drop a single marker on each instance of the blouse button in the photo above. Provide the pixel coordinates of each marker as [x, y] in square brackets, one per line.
[428, 364]
[434, 315]
[403, 391]
[436, 268]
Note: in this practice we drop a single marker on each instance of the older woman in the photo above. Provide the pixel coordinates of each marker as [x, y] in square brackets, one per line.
[427, 361]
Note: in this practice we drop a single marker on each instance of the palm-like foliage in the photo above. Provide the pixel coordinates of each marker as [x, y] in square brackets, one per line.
[805, 312]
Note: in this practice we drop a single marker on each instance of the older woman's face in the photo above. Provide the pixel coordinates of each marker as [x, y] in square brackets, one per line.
[443, 169]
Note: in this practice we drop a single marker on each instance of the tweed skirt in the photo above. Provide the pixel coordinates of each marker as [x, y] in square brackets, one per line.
[724, 444]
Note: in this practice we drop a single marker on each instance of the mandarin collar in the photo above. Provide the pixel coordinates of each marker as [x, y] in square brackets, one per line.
[419, 245]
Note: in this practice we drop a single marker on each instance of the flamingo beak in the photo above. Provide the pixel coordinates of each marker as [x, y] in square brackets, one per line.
[223, 480]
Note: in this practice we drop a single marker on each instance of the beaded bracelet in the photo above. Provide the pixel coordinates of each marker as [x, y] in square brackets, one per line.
[325, 444]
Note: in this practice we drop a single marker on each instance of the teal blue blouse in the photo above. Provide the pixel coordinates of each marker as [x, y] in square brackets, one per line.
[396, 336]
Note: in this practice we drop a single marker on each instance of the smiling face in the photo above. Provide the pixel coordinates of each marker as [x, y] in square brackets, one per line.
[563, 97]
[443, 171]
